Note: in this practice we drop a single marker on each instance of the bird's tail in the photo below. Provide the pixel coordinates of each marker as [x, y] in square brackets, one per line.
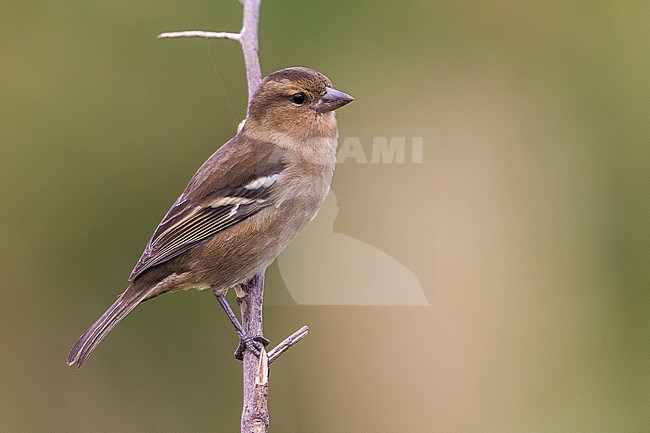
[96, 333]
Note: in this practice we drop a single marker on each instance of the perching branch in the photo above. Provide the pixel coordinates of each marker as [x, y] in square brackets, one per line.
[255, 414]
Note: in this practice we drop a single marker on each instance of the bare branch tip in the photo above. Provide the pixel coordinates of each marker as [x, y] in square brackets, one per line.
[287, 343]
[200, 34]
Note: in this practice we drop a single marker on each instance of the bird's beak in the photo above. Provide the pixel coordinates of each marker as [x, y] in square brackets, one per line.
[331, 100]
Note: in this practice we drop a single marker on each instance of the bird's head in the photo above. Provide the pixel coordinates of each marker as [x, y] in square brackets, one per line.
[296, 102]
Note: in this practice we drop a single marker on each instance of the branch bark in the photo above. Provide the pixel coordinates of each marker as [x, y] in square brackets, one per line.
[250, 45]
[255, 414]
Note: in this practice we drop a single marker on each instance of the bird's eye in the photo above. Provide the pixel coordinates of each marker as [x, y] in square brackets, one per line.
[298, 98]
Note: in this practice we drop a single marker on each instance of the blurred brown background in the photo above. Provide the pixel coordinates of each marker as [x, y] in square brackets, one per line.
[526, 223]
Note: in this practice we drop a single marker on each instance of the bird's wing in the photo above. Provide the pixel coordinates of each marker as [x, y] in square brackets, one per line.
[225, 191]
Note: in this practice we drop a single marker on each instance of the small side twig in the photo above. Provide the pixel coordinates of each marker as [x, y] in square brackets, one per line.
[200, 34]
[287, 343]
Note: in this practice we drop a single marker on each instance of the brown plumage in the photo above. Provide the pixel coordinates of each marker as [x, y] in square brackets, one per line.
[245, 204]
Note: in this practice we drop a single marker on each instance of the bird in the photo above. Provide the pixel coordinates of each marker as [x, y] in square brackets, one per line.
[243, 206]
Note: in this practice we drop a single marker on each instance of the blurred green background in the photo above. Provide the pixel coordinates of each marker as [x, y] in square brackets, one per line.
[526, 224]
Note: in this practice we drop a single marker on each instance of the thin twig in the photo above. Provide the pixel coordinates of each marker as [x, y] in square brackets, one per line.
[287, 343]
[200, 34]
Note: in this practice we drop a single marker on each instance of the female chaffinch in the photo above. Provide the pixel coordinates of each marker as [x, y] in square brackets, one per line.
[244, 205]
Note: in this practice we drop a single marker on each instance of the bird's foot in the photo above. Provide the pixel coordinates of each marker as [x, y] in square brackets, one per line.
[254, 344]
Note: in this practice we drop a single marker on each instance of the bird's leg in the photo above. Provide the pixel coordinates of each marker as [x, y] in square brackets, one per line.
[254, 344]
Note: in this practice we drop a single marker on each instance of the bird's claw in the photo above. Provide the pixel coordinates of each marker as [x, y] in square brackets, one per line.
[254, 344]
